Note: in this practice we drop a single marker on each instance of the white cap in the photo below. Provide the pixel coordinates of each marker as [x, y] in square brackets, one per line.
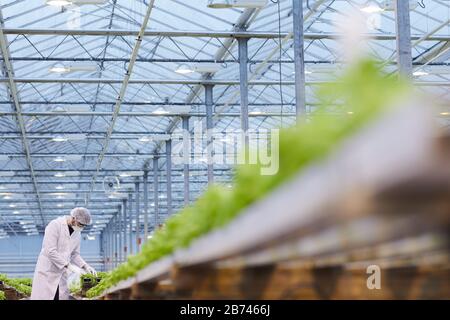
[82, 215]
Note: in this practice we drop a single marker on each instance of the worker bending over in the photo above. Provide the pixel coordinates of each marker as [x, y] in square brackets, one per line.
[60, 255]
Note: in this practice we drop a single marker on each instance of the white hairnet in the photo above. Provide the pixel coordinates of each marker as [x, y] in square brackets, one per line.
[82, 215]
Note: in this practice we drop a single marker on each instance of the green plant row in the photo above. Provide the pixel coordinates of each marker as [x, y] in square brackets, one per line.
[2, 295]
[364, 92]
[100, 275]
[23, 285]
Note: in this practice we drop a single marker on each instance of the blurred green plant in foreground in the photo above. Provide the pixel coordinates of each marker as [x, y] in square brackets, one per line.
[364, 92]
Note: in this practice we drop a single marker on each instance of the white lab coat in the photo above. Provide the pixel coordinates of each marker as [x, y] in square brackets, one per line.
[58, 249]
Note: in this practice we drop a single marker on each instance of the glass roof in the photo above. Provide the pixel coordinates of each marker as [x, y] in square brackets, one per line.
[70, 62]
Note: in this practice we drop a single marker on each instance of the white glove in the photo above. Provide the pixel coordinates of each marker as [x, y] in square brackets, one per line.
[75, 269]
[90, 270]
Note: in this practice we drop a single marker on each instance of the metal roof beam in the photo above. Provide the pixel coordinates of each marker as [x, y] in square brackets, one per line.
[186, 81]
[8, 69]
[201, 34]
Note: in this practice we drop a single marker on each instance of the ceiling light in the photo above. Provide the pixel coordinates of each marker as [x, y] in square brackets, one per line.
[59, 175]
[59, 159]
[59, 68]
[184, 69]
[59, 187]
[16, 212]
[420, 73]
[58, 2]
[445, 113]
[145, 139]
[59, 139]
[256, 112]
[160, 111]
[89, 237]
[7, 197]
[59, 205]
[12, 205]
[371, 7]
[221, 4]
[199, 68]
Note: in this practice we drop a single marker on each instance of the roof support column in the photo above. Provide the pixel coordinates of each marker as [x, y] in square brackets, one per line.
[130, 222]
[169, 175]
[299, 57]
[243, 82]
[403, 29]
[155, 192]
[123, 231]
[138, 212]
[209, 132]
[186, 158]
[145, 184]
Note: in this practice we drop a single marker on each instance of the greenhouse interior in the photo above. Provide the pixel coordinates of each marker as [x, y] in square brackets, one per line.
[224, 149]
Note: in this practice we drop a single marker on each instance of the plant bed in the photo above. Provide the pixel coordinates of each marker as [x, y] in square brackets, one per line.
[21, 285]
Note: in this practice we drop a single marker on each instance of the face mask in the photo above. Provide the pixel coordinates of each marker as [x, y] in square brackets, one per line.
[77, 228]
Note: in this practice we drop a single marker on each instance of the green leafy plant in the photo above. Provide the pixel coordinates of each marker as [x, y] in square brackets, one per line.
[91, 277]
[22, 285]
[74, 289]
[364, 92]
[2, 295]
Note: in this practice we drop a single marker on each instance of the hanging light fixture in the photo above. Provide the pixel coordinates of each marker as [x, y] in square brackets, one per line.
[184, 69]
[224, 4]
[62, 3]
[145, 139]
[160, 111]
[371, 7]
[58, 3]
[420, 73]
[59, 68]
